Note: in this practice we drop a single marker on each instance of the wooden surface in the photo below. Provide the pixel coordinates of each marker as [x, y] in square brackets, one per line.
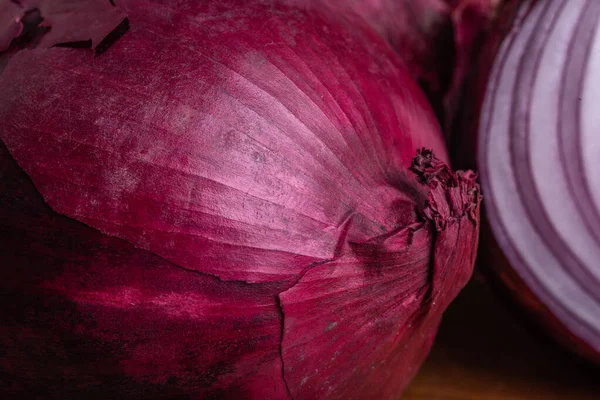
[484, 352]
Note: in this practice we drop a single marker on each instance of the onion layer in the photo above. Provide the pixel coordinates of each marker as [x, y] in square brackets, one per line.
[538, 157]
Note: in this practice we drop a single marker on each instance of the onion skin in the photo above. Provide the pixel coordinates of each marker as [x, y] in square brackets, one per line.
[81, 15]
[512, 94]
[10, 13]
[220, 206]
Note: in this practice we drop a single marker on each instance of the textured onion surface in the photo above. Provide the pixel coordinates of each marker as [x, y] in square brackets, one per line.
[538, 155]
[220, 205]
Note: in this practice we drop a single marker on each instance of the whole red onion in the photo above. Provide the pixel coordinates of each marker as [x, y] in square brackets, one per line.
[220, 206]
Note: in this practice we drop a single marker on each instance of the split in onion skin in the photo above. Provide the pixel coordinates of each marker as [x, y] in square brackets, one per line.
[221, 205]
[528, 97]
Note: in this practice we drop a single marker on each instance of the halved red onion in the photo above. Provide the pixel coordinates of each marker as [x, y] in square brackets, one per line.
[538, 155]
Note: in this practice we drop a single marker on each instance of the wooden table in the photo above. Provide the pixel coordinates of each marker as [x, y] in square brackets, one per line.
[483, 352]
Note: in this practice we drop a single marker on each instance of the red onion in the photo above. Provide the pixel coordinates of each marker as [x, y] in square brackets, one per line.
[538, 152]
[220, 206]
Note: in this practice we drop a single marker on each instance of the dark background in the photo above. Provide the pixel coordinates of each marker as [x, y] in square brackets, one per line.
[486, 351]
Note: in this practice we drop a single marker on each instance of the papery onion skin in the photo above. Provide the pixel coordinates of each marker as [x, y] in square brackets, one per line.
[531, 117]
[10, 14]
[220, 206]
